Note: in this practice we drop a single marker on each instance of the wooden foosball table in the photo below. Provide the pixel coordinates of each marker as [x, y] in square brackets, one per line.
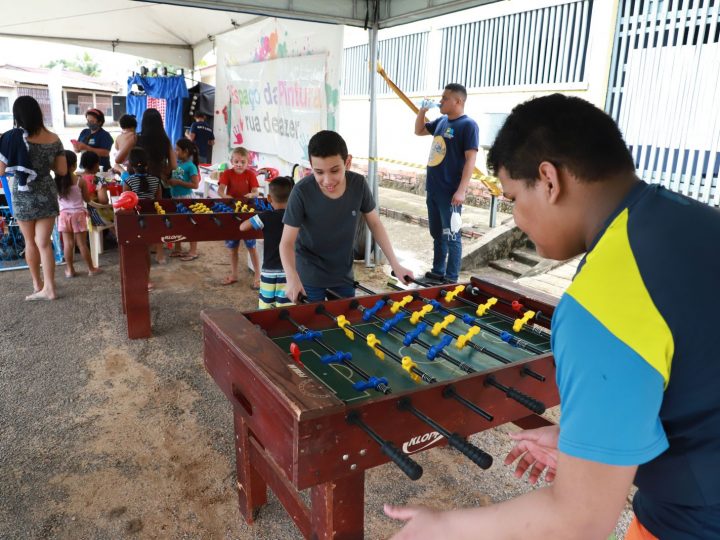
[322, 392]
[167, 221]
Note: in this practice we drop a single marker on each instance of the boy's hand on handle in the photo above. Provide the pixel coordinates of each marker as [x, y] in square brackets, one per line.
[536, 452]
[403, 273]
[294, 289]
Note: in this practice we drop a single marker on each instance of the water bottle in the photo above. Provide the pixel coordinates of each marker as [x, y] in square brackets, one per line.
[428, 104]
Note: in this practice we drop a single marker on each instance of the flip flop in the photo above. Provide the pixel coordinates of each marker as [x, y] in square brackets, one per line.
[189, 258]
[178, 254]
[228, 281]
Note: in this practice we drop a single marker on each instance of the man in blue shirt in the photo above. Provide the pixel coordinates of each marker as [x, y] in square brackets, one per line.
[202, 135]
[450, 166]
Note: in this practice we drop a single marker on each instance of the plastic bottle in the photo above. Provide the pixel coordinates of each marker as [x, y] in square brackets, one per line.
[428, 104]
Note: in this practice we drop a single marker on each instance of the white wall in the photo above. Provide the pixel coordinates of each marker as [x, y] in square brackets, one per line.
[396, 139]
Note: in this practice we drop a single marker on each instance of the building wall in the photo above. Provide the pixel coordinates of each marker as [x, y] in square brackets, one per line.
[495, 85]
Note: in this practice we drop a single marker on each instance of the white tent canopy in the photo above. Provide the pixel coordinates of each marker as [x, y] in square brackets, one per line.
[180, 32]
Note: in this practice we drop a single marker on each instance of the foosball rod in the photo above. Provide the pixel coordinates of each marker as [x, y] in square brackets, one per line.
[478, 456]
[475, 346]
[515, 305]
[502, 316]
[487, 416]
[322, 310]
[407, 465]
[457, 363]
[380, 387]
[470, 320]
[523, 399]
[498, 357]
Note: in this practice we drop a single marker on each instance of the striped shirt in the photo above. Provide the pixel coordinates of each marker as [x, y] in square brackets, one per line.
[134, 182]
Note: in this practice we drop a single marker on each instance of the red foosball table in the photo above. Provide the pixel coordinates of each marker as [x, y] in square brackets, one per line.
[322, 392]
[163, 222]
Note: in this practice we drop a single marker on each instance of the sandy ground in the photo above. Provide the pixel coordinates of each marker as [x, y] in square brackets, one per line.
[103, 437]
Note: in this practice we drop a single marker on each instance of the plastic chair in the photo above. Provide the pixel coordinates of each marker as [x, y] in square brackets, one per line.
[96, 225]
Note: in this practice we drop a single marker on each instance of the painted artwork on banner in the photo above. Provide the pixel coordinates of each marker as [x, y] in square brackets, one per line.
[277, 105]
[278, 63]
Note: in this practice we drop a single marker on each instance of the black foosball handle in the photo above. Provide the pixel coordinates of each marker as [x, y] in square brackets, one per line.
[538, 407]
[407, 465]
[167, 221]
[217, 221]
[478, 456]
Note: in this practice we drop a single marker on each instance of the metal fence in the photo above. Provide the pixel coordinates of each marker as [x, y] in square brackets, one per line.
[664, 89]
[403, 56]
[538, 47]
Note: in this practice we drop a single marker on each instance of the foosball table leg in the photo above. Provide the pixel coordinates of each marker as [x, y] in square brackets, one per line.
[338, 507]
[134, 289]
[252, 490]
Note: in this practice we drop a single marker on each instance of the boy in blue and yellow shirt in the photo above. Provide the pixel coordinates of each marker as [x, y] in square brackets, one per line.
[637, 369]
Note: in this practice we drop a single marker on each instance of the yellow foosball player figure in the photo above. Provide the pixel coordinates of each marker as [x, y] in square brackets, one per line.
[637, 375]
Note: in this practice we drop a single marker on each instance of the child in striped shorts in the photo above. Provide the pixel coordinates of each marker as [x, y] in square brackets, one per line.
[272, 276]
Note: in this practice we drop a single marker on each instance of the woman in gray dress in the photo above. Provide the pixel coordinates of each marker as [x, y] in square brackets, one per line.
[37, 207]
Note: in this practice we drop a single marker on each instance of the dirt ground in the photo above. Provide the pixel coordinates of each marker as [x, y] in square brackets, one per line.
[103, 437]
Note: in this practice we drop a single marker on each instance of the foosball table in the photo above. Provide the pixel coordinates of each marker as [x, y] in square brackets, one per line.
[166, 221]
[322, 392]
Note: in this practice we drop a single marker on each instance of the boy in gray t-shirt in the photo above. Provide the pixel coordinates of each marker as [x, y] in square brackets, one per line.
[320, 221]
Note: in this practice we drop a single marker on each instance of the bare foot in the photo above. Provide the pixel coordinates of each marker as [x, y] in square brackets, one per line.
[151, 287]
[94, 271]
[69, 274]
[40, 295]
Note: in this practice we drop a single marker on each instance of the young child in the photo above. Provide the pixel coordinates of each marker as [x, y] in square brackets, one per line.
[90, 165]
[240, 183]
[320, 222]
[72, 222]
[184, 179]
[637, 372]
[145, 186]
[272, 276]
[202, 135]
[128, 136]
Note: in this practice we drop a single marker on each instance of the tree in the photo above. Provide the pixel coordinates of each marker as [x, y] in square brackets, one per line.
[82, 64]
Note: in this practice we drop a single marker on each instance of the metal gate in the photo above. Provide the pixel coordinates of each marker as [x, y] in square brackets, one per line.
[664, 89]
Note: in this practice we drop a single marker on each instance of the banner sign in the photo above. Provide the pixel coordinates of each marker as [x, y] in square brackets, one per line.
[277, 105]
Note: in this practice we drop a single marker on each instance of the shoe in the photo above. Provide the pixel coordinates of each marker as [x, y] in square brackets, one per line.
[432, 276]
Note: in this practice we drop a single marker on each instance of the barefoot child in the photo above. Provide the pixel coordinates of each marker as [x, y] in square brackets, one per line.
[240, 183]
[72, 223]
[272, 277]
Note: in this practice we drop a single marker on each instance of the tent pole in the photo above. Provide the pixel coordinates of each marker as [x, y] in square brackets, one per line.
[372, 153]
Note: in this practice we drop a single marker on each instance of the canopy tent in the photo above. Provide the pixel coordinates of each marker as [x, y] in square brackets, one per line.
[181, 32]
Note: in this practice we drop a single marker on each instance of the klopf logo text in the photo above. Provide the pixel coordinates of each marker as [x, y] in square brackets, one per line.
[421, 442]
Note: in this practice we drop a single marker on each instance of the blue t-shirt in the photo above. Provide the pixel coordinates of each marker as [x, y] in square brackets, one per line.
[185, 171]
[99, 139]
[637, 369]
[451, 139]
[203, 134]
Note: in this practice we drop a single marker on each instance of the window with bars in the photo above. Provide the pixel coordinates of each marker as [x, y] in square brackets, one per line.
[403, 58]
[42, 96]
[539, 47]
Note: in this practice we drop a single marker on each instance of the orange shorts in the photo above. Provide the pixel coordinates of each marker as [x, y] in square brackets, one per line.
[72, 221]
[637, 532]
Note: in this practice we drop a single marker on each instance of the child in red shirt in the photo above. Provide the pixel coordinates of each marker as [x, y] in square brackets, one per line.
[239, 182]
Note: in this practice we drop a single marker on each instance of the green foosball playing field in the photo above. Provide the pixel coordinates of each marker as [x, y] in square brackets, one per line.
[339, 378]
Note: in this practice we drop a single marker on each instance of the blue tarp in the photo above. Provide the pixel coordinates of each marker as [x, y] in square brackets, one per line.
[172, 89]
